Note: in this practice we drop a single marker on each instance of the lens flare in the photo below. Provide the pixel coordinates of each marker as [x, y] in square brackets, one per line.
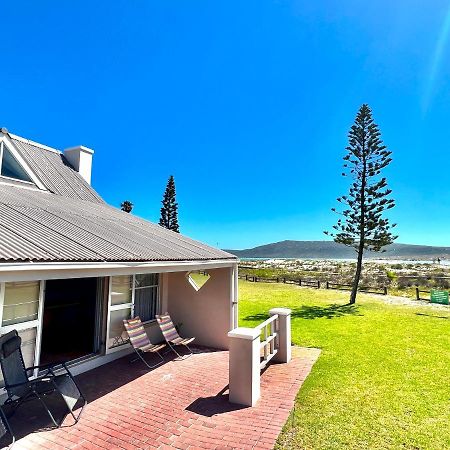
[436, 61]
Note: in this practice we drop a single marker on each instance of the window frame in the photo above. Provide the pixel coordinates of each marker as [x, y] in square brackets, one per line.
[158, 296]
[129, 305]
[28, 325]
[112, 308]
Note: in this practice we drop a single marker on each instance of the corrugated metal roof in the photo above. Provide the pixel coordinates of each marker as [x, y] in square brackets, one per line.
[40, 226]
[55, 173]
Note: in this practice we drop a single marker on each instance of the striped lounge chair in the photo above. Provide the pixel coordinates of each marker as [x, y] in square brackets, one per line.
[140, 341]
[171, 335]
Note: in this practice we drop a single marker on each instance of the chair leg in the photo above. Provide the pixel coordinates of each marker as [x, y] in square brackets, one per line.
[77, 417]
[149, 365]
[180, 357]
[189, 348]
[8, 427]
[48, 411]
[28, 397]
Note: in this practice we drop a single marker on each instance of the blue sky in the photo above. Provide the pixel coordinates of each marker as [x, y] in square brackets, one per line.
[247, 104]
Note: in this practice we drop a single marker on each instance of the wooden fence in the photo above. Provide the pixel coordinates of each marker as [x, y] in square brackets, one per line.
[348, 287]
[300, 282]
[420, 291]
[314, 284]
[421, 294]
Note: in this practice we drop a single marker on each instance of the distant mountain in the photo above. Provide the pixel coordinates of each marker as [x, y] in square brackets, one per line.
[331, 250]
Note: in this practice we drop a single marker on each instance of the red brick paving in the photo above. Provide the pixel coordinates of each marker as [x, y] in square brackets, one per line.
[181, 404]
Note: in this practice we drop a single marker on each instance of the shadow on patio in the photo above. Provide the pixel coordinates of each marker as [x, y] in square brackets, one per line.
[32, 418]
[216, 404]
[178, 404]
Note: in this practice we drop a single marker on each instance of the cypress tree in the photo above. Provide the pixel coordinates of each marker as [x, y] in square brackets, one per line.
[363, 225]
[169, 210]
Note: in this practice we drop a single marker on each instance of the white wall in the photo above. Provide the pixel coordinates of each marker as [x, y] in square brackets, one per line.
[205, 314]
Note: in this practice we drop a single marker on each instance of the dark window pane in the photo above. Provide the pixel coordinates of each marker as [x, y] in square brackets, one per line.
[146, 303]
[11, 168]
[146, 279]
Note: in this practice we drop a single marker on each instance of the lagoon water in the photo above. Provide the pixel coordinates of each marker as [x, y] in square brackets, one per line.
[444, 262]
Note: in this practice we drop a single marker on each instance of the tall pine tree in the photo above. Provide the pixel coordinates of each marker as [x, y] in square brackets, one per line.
[363, 225]
[169, 210]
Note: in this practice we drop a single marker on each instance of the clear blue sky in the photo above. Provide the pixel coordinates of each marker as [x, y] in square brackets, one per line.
[246, 103]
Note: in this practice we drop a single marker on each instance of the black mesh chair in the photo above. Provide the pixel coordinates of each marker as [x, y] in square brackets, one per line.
[21, 388]
[5, 428]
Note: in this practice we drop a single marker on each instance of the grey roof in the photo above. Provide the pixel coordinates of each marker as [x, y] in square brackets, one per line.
[55, 172]
[40, 226]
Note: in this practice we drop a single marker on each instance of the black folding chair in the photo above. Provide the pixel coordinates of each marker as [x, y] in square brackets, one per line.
[5, 427]
[20, 387]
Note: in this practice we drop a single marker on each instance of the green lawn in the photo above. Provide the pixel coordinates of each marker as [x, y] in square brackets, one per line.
[382, 380]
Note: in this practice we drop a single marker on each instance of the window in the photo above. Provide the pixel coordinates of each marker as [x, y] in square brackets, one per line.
[136, 295]
[121, 290]
[19, 310]
[10, 167]
[146, 296]
[121, 304]
[21, 302]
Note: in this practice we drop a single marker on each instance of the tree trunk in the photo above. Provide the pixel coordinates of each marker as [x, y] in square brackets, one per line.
[362, 235]
[357, 274]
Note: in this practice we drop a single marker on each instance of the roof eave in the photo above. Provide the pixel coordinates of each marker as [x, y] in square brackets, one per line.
[26, 271]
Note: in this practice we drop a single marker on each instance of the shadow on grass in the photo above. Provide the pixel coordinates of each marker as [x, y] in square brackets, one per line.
[432, 315]
[316, 312]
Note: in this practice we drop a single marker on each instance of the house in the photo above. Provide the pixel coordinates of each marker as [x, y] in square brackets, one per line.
[72, 267]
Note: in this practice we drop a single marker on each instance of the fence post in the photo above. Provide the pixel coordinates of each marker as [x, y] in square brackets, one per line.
[255, 279]
[278, 280]
[385, 291]
[246, 277]
[244, 367]
[417, 294]
[318, 284]
[284, 280]
[328, 285]
[299, 281]
[284, 352]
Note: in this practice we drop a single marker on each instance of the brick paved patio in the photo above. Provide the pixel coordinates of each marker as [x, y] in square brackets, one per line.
[181, 404]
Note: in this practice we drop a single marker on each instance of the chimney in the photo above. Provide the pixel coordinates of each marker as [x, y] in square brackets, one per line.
[80, 159]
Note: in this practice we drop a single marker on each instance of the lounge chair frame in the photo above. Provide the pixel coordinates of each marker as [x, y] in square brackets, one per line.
[5, 428]
[135, 325]
[172, 336]
[45, 383]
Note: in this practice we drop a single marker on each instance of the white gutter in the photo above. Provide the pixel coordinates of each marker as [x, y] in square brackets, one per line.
[48, 271]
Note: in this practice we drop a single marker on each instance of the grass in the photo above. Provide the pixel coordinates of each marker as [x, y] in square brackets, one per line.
[382, 380]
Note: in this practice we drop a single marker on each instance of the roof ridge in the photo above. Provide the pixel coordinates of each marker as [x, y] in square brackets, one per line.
[36, 144]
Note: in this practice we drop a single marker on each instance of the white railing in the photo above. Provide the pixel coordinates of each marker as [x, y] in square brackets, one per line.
[251, 350]
[269, 340]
